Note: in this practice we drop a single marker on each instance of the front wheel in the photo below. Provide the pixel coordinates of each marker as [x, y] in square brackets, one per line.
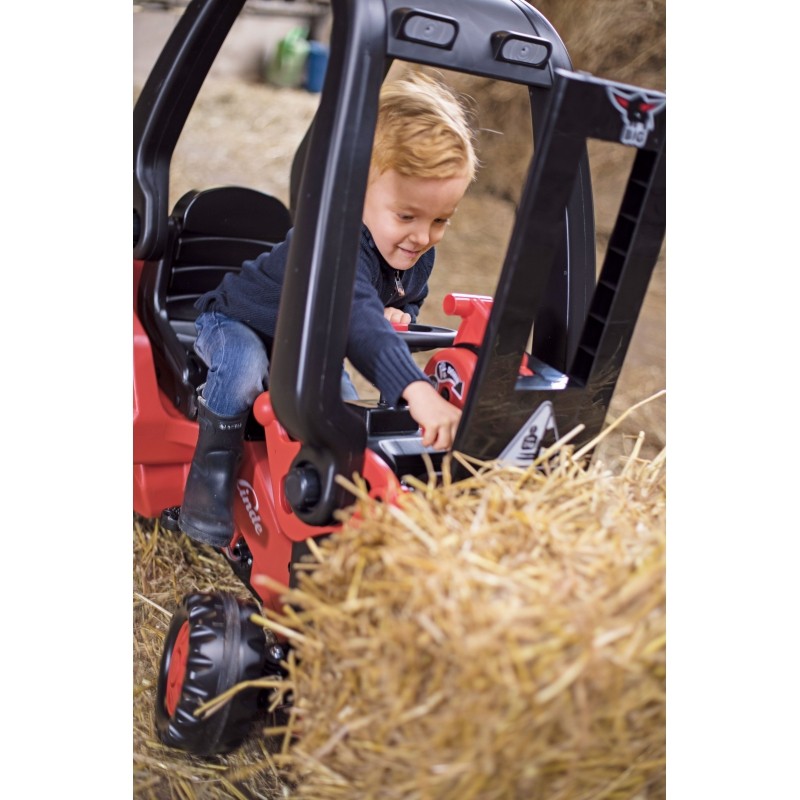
[211, 645]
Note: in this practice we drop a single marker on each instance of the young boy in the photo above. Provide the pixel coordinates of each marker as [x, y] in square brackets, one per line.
[423, 160]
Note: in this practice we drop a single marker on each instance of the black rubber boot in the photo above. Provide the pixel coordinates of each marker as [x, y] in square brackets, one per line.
[207, 510]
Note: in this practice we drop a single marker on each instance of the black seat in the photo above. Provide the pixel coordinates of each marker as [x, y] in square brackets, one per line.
[210, 234]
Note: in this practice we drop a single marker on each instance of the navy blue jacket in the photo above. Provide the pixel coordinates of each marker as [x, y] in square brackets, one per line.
[373, 346]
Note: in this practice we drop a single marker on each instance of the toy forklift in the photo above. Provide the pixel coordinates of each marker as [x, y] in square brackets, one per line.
[301, 434]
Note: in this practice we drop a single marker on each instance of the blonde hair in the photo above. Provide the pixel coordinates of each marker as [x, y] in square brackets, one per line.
[424, 130]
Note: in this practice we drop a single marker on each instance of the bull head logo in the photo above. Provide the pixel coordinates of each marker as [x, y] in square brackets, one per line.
[637, 110]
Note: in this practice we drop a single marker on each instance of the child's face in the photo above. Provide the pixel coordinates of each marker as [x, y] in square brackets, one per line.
[407, 216]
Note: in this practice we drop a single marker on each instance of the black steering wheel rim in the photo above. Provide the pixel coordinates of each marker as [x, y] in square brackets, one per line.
[425, 337]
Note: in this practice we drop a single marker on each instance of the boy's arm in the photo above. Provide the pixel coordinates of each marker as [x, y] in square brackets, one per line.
[374, 348]
[437, 418]
[391, 365]
[378, 352]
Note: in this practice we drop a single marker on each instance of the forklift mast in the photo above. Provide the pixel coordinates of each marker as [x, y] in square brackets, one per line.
[504, 406]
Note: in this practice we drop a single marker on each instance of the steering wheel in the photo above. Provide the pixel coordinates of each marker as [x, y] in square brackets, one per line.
[424, 337]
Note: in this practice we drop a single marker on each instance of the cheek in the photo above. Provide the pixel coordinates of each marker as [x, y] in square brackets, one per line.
[389, 227]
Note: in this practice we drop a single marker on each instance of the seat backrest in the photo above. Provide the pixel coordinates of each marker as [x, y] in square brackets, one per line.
[211, 233]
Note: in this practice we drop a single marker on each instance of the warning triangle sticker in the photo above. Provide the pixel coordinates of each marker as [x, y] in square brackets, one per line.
[538, 431]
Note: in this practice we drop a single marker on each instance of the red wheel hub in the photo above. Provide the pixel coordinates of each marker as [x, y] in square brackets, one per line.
[177, 669]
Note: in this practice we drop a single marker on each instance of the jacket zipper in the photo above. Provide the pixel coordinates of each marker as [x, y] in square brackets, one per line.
[401, 292]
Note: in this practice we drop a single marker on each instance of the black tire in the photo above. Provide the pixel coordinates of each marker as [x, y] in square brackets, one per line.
[210, 646]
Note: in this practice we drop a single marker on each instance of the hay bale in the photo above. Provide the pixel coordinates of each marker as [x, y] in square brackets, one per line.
[613, 38]
[503, 637]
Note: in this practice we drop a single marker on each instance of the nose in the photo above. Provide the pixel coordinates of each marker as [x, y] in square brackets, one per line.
[421, 235]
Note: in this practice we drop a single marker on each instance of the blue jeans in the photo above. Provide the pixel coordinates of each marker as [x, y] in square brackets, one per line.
[238, 365]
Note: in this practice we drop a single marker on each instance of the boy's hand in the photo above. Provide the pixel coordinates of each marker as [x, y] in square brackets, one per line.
[437, 418]
[396, 315]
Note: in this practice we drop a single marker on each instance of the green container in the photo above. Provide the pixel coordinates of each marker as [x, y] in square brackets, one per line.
[287, 67]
